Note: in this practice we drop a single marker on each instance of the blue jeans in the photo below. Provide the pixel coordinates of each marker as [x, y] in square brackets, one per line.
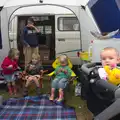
[59, 83]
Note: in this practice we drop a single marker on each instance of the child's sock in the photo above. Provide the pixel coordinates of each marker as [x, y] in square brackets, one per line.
[52, 94]
[60, 95]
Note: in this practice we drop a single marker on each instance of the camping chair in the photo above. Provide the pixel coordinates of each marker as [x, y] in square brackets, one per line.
[56, 64]
[23, 74]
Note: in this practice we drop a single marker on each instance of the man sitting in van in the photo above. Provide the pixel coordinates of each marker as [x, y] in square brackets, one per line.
[30, 40]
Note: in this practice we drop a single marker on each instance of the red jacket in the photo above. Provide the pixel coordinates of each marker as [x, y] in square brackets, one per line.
[6, 62]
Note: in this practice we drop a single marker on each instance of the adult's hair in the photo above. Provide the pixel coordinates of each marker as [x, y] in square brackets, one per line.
[30, 21]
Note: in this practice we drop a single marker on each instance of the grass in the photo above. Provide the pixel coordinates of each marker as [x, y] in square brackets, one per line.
[71, 100]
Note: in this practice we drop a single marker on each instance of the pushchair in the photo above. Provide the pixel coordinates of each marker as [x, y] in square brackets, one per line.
[103, 98]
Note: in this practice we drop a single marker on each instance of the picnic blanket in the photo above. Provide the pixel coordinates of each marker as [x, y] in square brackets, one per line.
[35, 108]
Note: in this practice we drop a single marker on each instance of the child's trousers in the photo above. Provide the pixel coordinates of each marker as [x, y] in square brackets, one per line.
[58, 83]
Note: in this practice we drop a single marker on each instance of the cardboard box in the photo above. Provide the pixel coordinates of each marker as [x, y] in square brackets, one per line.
[44, 54]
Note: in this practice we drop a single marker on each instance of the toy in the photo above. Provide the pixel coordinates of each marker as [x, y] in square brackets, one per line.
[113, 73]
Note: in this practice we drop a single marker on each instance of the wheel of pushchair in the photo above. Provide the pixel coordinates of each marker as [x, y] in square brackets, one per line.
[102, 96]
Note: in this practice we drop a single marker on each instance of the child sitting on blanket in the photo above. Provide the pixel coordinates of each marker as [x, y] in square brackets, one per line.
[62, 74]
[33, 70]
[10, 66]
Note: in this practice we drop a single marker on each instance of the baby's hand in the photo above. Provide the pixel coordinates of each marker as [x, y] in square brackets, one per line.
[31, 67]
[10, 66]
[65, 71]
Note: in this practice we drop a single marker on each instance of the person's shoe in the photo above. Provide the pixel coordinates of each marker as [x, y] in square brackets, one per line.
[51, 98]
[60, 99]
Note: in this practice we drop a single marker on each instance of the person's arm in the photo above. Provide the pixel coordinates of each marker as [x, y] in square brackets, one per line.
[39, 68]
[5, 64]
[24, 37]
[68, 72]
[15, 67]
[36, 29]
[57, 70]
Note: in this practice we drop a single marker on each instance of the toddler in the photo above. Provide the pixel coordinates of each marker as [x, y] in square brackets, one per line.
[9, 66]
[33, 71]
[62, 74]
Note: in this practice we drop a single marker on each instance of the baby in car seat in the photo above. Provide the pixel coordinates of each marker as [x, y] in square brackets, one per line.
[109, 57]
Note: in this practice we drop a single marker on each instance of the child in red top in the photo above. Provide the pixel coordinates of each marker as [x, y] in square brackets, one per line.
[9, 66]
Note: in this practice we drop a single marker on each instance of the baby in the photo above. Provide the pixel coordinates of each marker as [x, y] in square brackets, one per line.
[62, 75]
[109, 56]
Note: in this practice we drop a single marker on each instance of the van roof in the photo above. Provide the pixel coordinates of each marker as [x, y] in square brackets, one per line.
[45, 9]
[10, 3]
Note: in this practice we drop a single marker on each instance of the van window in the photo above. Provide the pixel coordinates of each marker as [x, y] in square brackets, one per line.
[0, 34]
[68, 24]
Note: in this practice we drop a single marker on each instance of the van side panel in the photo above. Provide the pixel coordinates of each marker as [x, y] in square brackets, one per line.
[67, 40]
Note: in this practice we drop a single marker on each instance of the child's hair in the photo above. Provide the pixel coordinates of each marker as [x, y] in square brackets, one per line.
[63, 59]
[111, 48]
[36, 56]
[13, 52]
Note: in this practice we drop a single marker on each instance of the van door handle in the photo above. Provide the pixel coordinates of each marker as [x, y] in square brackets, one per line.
[61, 39]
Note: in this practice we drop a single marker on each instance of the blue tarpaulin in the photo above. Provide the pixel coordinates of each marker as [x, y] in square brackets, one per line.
[106, 14]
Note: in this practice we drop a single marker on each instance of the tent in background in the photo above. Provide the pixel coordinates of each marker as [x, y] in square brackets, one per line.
[106, 14]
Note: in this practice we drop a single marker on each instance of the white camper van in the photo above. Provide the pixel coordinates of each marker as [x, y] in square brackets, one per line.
[63, 29]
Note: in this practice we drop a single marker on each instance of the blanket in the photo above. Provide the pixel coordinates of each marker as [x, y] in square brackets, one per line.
[35, 108]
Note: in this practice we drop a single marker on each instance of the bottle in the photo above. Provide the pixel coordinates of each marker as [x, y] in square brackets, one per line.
[90, 50]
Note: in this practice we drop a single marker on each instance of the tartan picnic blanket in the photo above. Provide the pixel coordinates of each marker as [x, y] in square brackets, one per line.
[35, 108]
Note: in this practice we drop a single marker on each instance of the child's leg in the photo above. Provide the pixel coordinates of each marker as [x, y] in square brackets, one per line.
[52, 94]
[28, 80]
[9, 88]
[62, 84]
[8, 80]
[14, 87]
[61, 95]
[54, 86]
[36, 80]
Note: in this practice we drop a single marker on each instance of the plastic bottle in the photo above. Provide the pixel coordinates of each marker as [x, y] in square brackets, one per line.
[90, 50]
